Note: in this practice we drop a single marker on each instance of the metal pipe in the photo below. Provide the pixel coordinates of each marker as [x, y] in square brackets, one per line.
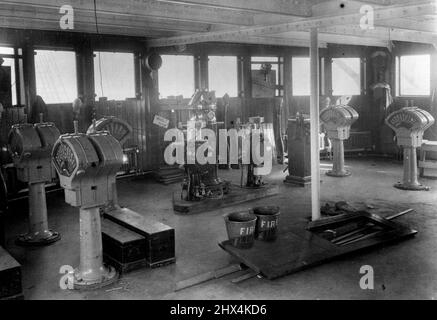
[314, 116]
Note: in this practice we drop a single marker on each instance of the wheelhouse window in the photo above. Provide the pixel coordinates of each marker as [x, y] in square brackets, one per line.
[346, 76]
[176, 76]
[222, 75]
[300, 75]
[11, 77]
[413, 77]
[264, 65]
[55, 73]
[114, 76]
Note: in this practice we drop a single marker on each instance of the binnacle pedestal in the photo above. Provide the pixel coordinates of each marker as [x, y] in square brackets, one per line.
[87, 165]
[31, 147]
[338, 120]
[409, 125]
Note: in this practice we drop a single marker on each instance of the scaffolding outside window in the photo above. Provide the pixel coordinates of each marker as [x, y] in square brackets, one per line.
[346, 76]
[277, 66]
[176, 76]
[222, 75]
[114, 75]
[300, 75]
[55, 73]
[413, 77]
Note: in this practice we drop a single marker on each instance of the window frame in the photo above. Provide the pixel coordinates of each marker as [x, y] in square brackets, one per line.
[193, 68]
[279, 86]
[95, 52]
[361, 76]
[236, 69]
[398, 70]
[17, 56]
[55, 49]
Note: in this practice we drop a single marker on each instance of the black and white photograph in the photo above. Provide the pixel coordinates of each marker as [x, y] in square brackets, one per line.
[218, 155]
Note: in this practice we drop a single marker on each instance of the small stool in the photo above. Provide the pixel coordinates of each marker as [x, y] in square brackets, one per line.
[427, 146]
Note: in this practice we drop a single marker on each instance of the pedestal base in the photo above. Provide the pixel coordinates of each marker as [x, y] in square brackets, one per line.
[338, 174]
[411, 187]
[38, 239]
[108, 276]
[299, 181]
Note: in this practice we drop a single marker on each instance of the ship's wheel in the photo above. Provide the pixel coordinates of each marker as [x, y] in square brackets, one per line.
[119, 129]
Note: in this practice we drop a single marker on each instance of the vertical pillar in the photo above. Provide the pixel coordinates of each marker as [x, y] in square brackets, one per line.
[410, 167]
[201, 71]
[338, 169]
[244, 85]
[29, 77]
[85, 84]
[137, 74]
[3, 208]
[314, 115]
[91, 271]
[39, 233]
[288, 88]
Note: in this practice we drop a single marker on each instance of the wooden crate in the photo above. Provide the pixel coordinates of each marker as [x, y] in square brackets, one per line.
[10, 276]
[122, 248]
[160, 238]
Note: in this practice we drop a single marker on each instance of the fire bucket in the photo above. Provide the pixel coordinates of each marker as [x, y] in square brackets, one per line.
[241, 228]
[267, 223]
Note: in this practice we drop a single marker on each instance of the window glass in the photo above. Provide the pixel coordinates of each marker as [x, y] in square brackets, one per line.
[300, 73]
[415, 75]
[222, 75]
[114, 75]
[346, 78]
[6, 50]
[176, 76]
[55, 73]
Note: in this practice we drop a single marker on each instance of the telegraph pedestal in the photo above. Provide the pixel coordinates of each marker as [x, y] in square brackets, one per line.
[87, 165]
[338, 120]
[409, 125]
[31, 147]
[92, 273]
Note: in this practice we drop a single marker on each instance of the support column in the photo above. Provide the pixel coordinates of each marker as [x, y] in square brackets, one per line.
[338, 169]
[91, 272]
[410, 180]
[314, 115]
[85, 84]
[39, 233]
[29, 78]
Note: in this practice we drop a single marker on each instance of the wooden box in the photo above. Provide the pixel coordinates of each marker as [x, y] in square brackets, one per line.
[122, 248]
[10, 276]
[160, 238]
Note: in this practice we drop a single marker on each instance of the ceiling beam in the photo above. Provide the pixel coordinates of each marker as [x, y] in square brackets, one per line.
[384, 34]
[380, 14]
[350, 39]
[285, 7]
[409, 24]
[276, 41]
[104, 18]
[51, 25]
[152, 9]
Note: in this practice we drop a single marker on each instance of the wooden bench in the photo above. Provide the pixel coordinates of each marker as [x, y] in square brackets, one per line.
[423, 164]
